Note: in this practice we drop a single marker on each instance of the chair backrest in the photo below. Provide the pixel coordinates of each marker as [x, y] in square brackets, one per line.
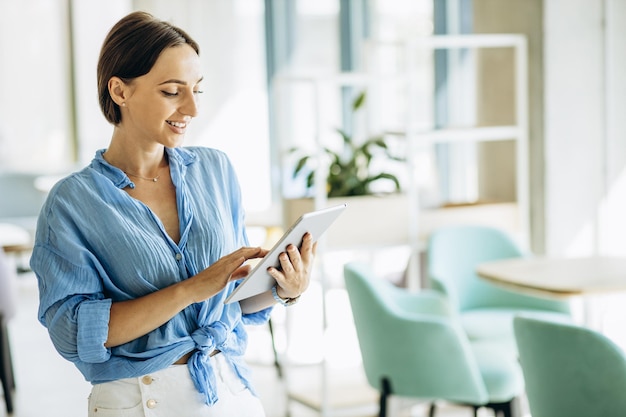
[454, 252]
[570, 370]
[421, 351]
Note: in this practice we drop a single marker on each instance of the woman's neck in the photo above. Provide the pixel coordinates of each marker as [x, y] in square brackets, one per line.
[140, 162]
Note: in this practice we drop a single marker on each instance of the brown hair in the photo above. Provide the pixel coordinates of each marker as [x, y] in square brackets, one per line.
[130, 50]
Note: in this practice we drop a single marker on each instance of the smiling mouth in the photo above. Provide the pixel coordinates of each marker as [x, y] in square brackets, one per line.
[180, 125]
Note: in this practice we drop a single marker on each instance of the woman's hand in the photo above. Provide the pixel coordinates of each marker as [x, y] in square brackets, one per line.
[228, 268]
[294, 274]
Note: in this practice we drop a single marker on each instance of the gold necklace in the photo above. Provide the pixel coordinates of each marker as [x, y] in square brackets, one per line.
[154, 179]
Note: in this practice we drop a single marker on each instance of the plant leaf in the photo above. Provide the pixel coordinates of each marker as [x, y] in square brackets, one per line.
[346, 138]
[310, 179]
[359, 100]
[387, 176]
[301, 164]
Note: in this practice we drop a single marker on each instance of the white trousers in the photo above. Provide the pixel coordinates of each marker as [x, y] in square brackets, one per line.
[171, 392]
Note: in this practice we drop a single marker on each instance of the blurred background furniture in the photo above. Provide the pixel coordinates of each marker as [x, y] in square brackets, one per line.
[570, 370]
[413, 346]
[16, 242]
[13, 237]
[560, 277]
[20, 203]
[8, 306]
[486, 310]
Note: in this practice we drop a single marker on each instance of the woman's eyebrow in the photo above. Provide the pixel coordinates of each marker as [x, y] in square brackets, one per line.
[174, 81]
[181, 82]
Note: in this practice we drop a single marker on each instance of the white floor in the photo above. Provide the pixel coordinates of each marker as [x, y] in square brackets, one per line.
[49, 386]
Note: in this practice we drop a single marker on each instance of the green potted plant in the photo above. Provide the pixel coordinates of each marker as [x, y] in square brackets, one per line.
[349, 168]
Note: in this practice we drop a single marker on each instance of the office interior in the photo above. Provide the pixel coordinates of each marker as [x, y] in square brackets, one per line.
[503, 112]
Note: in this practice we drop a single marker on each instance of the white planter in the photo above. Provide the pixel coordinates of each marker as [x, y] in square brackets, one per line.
[368, 220]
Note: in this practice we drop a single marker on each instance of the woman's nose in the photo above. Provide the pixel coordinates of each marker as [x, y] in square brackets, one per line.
[190, 106]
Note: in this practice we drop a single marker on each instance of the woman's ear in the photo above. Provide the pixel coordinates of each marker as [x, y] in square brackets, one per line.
[118, 90]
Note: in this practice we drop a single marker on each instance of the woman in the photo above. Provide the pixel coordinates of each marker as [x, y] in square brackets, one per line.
[136, 253]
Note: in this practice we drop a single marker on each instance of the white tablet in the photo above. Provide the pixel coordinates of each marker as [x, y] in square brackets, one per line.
[259, 280]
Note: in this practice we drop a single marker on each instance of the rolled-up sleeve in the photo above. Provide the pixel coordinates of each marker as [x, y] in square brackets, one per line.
[93, 330]
[78, 328]
[72, 307]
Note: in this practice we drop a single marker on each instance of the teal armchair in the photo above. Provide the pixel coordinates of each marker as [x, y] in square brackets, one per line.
[413, 346]
[570, 370]
[486, 310]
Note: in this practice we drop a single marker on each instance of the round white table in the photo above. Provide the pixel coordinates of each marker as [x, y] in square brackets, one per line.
[559, 277]
[14, 238]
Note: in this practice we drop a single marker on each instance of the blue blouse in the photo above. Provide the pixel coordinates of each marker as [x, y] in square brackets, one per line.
[95, 245]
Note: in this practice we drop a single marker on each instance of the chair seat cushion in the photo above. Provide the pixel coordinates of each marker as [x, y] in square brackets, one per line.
[497, 323]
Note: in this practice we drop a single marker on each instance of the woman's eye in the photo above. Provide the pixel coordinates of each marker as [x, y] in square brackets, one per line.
[198, 92]
[169, 94]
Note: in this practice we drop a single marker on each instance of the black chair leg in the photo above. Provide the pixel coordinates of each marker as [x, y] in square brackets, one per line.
[507, 409]
[514, 408]
[384, 396]
[6, 367]
[279, 368]
[432, 409]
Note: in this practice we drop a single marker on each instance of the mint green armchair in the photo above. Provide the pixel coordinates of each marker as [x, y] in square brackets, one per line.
[486, 310]
[570, 370]
[413, 346]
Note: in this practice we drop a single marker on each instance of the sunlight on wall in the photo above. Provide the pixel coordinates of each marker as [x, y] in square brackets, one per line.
[608, 230]
[581, 243]
[614, 219]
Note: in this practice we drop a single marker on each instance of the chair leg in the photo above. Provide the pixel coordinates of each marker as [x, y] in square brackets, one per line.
[384, 397]
[432, 409]
[507, 409]
[6, 367]
[513, 408]
[279, 368]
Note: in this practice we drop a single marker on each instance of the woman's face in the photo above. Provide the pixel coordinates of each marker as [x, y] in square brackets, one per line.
[161, 103]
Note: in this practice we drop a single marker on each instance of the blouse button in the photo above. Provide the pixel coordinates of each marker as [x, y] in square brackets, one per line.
[151, 403]
[147, 380]
[179, 256]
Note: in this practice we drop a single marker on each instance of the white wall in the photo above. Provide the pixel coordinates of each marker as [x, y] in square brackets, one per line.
[613, 223]
[584, 147]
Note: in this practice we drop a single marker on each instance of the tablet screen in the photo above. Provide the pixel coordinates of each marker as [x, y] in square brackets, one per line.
[259, 280]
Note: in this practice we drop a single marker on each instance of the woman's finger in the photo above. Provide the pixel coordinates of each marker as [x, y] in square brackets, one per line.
[294, 257]
[240, 272]
[285, 263]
